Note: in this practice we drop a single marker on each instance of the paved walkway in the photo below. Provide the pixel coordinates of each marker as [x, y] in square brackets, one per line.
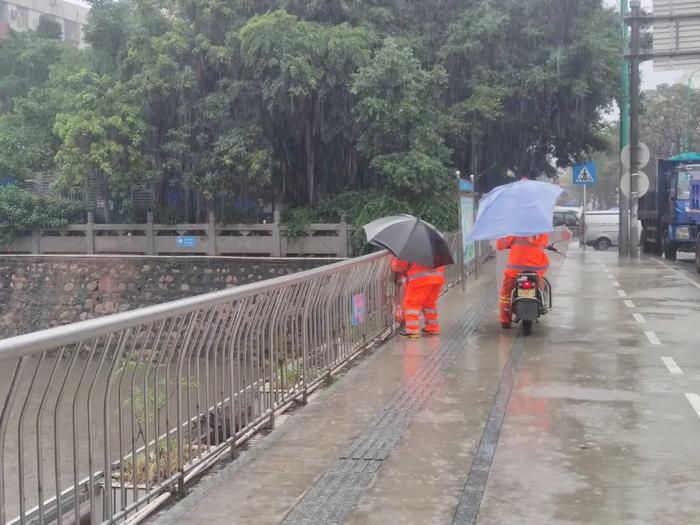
[593, 419]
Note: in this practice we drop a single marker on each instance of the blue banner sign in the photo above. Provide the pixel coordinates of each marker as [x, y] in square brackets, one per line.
[186, 242]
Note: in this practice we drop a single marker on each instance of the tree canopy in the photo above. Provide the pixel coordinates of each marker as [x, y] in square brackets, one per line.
[669, 113]
[367, 104]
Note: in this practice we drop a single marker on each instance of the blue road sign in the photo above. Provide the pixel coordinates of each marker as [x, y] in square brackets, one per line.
[585, 174]
[186, 242]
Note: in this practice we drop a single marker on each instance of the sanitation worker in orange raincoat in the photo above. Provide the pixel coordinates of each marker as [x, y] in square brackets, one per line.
[526, 255]
[422, 293]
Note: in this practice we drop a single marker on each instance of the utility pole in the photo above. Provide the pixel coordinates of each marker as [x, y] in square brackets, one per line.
[623, 201]
[635, 59]
[477, 250]
[583, 216]
[624, 136]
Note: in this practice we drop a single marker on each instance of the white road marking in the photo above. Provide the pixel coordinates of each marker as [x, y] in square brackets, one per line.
[616, 284]
[653, 339]
[639, 318]
[679, 273]
[629, 304]
[672, 365]
[694, 401]
[611, 276]
[606, 270]
[622, 293]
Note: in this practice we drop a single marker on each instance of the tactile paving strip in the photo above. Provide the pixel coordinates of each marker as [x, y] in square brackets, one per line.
[470, 502]
[338, 490]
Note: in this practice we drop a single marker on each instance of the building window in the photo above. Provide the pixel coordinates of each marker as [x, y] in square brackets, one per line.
[22, 18]
[71, 32]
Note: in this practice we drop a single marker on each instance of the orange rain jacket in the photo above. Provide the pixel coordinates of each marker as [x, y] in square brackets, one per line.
[417, 274]
[526, 253]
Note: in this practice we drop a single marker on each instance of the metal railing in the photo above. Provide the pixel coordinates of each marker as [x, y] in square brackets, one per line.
[103, 420]
[453, 274]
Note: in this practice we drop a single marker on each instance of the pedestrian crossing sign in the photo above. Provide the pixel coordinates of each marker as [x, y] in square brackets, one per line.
[585, 174]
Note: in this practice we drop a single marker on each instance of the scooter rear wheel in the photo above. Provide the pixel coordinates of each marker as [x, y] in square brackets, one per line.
[527, 327]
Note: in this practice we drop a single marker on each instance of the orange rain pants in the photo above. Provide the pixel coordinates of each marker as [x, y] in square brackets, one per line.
[422, 294]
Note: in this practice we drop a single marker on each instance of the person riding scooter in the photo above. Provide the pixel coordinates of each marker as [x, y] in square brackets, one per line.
[526, 255]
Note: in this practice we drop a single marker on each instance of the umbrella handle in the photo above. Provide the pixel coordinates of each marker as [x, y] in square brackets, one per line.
[553, 249]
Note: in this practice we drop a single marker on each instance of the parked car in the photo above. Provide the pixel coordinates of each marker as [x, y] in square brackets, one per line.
[567, 218]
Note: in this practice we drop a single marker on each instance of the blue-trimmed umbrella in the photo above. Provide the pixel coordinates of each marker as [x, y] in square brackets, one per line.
[522, 209]
[410, 239]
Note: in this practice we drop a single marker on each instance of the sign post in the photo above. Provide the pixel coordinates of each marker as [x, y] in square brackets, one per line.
[585, 175]
[462, 274]
[466, 217]
[631, 180]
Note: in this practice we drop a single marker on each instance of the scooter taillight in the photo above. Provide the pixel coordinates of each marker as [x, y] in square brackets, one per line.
[527, 285]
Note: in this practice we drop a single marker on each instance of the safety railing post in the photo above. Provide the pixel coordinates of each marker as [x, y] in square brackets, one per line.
[276, 235]
[150, 234]
[90, 233]
[211, 234]
[343, 238]
[36, 241]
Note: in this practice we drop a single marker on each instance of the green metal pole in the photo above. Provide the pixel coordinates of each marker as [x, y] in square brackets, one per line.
[624, 128]
[625, 84]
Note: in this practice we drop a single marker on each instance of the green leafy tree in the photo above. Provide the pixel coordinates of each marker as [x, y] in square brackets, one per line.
[530, 79]
[101, 134]
[402, 122]
[21, 211]
[342, 107]
[27, 142]
[26, 60]
[668, 115]
[300, 67]
[49, 29]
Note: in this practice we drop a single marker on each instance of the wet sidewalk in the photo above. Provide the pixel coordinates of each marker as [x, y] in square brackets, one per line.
[583, 422]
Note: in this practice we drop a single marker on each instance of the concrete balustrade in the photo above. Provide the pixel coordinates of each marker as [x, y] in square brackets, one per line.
[210, 238]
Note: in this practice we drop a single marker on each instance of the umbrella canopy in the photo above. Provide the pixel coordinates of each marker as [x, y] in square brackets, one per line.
[410, 239]
[560, 234]
[522, 208]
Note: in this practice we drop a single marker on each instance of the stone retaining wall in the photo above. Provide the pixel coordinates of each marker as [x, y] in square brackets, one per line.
[40, 292]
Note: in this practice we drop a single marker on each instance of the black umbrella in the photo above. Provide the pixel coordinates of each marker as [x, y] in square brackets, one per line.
[410, 239]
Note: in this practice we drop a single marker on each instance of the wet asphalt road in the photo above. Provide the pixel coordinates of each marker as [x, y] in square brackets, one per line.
[603, 424]
[599, 423]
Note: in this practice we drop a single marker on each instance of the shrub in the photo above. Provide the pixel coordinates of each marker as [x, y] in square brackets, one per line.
[21, 210]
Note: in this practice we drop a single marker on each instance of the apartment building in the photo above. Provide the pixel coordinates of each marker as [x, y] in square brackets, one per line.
[23, 15]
